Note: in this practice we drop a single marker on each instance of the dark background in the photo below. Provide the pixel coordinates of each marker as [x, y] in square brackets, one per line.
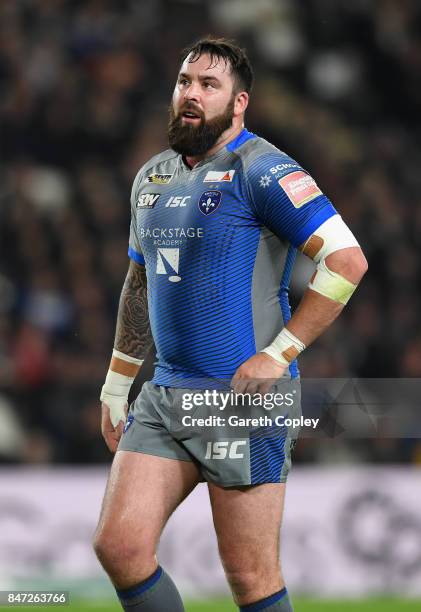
[84, 92]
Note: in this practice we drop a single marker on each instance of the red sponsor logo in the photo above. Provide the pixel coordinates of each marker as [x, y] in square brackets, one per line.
[300, 188]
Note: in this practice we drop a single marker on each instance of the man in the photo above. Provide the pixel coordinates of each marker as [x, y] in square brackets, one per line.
[216, 221]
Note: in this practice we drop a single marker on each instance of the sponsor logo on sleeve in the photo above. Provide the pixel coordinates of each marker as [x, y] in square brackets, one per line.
[282, 169]
[265, 181]
[300, 188]
[209, 201]
[225, 176]
[159, 179]
[147, 200]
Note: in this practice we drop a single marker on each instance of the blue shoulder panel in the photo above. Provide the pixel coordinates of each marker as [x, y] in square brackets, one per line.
[241, 139]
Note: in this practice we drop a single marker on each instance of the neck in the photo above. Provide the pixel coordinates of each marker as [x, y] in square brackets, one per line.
[223, 140]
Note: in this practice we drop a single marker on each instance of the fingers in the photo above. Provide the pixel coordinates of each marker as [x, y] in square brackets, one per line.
[257, 375]
[252, 386]
[112, 437]
[110, 433]
[242, 382]
[247, 385]
[111, 441]
[119, 429]
[238, 384]
[266, 386]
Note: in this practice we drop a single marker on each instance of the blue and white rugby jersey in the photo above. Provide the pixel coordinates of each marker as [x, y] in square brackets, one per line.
[219, 243]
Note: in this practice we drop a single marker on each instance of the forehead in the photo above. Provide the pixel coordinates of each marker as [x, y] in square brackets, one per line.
[205, 66]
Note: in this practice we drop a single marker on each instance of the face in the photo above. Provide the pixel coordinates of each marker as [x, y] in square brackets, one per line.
[203, 106]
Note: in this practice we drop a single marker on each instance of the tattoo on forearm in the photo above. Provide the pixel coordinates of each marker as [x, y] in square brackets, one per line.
[133, 333]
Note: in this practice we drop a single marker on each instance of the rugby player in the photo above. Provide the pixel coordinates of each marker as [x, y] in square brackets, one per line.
[216, 223]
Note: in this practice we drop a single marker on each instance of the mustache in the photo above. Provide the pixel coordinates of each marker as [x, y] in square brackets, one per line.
[188, 106]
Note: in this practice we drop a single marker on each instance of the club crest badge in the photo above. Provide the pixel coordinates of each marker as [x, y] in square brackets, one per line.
[209, 201]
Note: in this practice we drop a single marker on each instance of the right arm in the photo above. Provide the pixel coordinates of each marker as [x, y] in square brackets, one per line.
[132, 340]
[133, 333]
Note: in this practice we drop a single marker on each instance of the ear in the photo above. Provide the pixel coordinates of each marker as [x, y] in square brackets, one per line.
[240, 103]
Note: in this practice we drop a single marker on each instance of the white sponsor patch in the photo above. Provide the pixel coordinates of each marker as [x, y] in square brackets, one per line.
[147, 200]
[300, 187]
[213, 176]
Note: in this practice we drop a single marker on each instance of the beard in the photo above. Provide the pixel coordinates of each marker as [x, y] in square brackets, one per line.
[192, 140]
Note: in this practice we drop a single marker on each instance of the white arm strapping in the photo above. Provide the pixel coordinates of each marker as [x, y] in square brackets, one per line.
[285, 347]
[333, 235]
[331, 285]
[115, 391]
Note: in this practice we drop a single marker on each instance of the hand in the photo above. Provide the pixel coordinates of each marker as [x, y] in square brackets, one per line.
[257, 374]
[110, 433]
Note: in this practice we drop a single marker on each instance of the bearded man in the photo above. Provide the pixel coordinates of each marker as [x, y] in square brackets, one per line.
[216, 223]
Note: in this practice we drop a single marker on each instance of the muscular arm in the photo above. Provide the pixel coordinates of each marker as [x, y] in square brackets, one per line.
[132, 340]
[313, 316]
[316, 312]
[133, 333]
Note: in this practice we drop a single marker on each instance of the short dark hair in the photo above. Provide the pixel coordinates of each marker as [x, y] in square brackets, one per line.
[230, 52]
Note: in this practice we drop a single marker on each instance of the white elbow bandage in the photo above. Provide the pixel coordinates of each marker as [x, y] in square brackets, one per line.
[285, 347]
[115, 391]
[331, 285]
[333, 235]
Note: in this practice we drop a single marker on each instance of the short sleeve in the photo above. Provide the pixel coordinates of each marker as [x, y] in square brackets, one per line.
[286, 198]
[135, 252]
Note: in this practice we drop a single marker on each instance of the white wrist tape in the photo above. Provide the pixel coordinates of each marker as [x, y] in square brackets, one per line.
[285, 347]
[128, 358]
[331, 285]
[115, 391]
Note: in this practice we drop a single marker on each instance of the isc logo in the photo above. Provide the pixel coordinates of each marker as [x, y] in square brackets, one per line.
[220, 450]
[175, 201]
[147, 200]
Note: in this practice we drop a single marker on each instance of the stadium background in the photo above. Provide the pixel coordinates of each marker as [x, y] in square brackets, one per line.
[85, 87]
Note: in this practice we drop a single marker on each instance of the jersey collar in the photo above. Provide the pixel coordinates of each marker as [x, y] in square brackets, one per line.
[242, 137]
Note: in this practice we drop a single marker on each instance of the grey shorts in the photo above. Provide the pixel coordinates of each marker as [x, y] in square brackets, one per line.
[232, 445]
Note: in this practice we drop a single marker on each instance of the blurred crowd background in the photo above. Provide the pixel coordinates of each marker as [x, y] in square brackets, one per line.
[84, 92]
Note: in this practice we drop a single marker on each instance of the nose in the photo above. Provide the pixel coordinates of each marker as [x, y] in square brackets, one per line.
[192, 92]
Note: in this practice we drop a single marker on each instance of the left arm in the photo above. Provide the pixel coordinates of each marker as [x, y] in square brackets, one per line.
[294, 208]
[315, 313]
